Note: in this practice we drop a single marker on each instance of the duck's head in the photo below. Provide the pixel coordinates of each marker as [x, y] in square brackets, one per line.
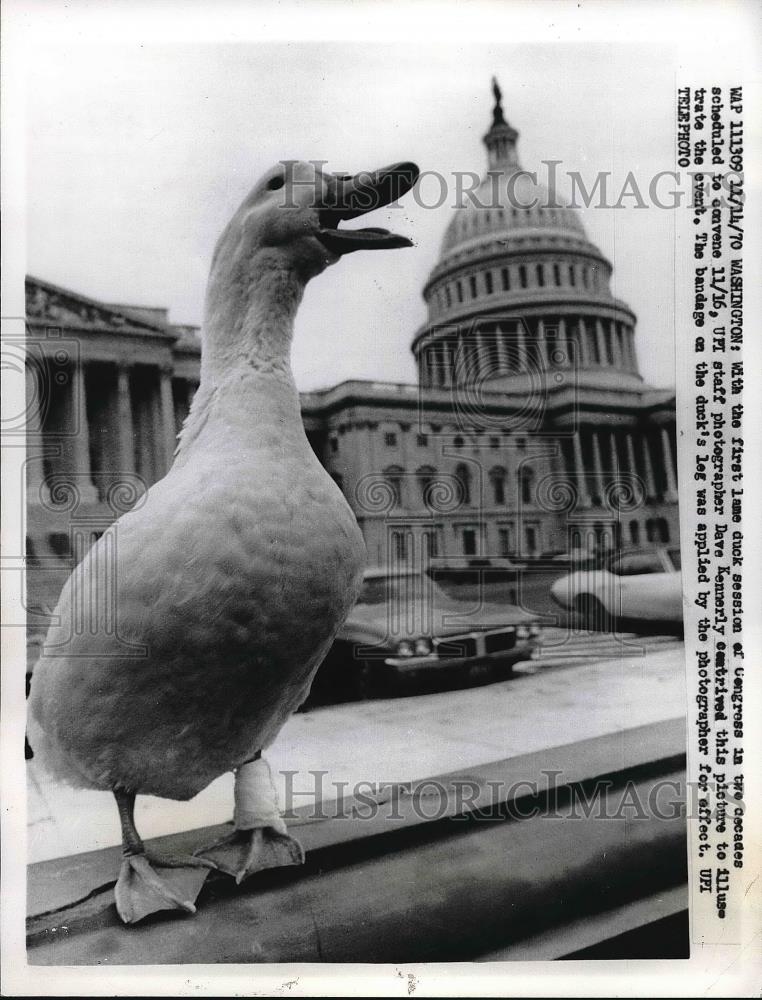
[286, 231]
[292, 217]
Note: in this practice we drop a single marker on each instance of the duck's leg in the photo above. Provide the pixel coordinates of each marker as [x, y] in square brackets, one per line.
[140, 890]
[259, 839]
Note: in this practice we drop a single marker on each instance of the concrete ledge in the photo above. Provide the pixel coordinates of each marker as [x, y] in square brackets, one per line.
[397, 886]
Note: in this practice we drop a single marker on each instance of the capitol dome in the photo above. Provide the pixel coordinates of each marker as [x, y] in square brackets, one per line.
[519, 288]
[509, 203]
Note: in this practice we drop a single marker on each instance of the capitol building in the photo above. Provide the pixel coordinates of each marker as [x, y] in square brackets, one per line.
[530, 430]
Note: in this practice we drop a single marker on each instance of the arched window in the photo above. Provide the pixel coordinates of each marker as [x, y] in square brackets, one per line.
[60, 543]
[31, 553]
[522, 276]
[463, 475]
[556, 274]
[393, 477]
[505, 277]
[540, 275]
[459, 290]
[572, 275]
[497, 479]
[526, 484]
[448, 296]
[426, 475]
[472, 285]
[488, 282]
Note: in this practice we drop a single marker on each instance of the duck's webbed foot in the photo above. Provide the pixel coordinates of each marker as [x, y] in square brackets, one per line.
[148, 883]
[140, 889]
[260, 839]
[244, 852]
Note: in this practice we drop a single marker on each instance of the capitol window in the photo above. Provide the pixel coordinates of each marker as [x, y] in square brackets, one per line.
[31, 554]
[505, 540]
[488, 282]
[526, 482]
[463, 475]
[60, 543]
[505, 276]
[472, 284]
[522, 276]
[497, 478]
[459, 289]
[393, 476]
[572, 275]
[540, 276]
[557, 274]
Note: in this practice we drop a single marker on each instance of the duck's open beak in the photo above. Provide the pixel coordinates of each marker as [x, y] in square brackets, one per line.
[347, 197]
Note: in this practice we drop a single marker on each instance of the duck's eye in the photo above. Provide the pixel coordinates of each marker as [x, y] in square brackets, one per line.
[276, 182]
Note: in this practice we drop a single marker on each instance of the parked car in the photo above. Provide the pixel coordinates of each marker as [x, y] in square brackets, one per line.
[632, 586]
[404, 626]
[472, 568]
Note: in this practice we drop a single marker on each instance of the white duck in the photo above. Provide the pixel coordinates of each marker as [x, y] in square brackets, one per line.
[233, 576]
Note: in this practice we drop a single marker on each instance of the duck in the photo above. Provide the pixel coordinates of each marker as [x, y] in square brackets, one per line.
[226, 585]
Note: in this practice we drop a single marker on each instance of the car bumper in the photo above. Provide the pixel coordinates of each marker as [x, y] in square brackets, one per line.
[527, 650]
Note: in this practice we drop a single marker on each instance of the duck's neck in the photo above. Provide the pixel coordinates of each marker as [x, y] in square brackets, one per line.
[246, 379]
[249, 319]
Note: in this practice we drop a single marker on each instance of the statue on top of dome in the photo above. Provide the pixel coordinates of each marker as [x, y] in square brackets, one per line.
[497, 111]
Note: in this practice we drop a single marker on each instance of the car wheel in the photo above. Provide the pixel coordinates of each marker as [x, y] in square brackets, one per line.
[593, 614]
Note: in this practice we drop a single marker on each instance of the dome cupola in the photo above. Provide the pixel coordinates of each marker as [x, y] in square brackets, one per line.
[519, 286]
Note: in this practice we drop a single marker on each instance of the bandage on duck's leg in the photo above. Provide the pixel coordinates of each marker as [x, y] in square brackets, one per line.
[140, 890]
[260, 839]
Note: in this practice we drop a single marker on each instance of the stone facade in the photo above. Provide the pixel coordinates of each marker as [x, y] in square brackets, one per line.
[530, 430]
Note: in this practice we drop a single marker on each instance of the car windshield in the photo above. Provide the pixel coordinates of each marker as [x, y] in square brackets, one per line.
[400, 588]
[636, 564]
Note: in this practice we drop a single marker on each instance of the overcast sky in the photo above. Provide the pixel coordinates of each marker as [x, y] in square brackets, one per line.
[138, 155]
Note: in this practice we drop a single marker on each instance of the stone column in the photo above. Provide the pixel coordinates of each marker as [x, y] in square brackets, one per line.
[631, 347]
[126, 430]
[669, 468]
[597, 463]
[614, 454]
[502, 352]
[601, 341]
[482, 358]
[542, 346]
[584, 354]
[616, 344]
[648, 466]
[579, 470]
[81, 440]
[437, 367]
[563, 340]
[631, 462]
[521, 347]
[166, 402]
[35, 441]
